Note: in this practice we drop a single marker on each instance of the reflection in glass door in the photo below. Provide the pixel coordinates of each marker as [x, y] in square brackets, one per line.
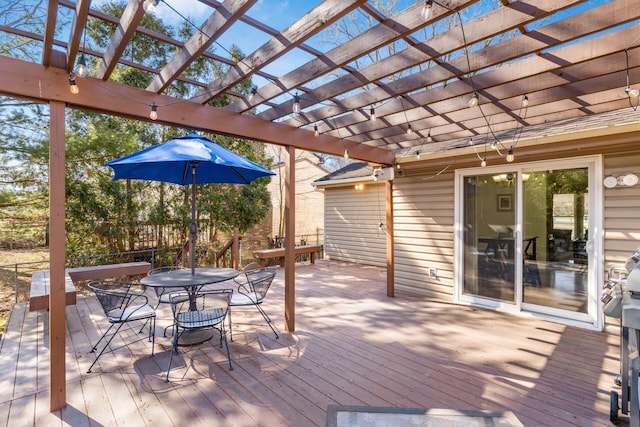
[555, 207]
[489, 238]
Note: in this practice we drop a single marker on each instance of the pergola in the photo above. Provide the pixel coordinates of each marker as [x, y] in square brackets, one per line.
[415, 69]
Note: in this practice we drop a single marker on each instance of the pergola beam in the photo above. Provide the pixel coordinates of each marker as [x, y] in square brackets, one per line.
[217, 23]
[49, 32]
[125, 30]
[77, 30]
[27, 80]
[319, 18]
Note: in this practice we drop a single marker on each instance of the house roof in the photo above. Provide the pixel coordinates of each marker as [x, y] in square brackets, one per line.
[574, 127]
[342, 60]
[355, 170]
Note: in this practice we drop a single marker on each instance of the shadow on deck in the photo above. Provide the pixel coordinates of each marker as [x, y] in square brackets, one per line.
[352, 346]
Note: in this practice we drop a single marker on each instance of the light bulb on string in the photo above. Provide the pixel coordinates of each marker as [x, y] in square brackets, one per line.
[525, 101]
[316, 132]
[253, 92]
[426, 9]
[510, 156]
[149, 6]
[346, 153]
[296, 104]
[483, 162]
[81, 67]
[632, 93]
[473, 101]
[429, 138]
[372, 114]
[73, 86]
[153, 114]
[409, 129]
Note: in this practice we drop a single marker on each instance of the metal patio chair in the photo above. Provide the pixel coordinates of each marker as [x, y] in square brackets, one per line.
[121, 306]
[252, 290]
[205, 310]
[164, 294]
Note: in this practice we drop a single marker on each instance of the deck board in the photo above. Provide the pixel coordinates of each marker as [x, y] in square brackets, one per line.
[352, 346]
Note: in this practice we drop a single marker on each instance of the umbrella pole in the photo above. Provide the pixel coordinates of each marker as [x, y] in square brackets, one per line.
[192, 227]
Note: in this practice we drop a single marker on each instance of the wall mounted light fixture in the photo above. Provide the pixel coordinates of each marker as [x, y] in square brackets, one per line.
[628, 180]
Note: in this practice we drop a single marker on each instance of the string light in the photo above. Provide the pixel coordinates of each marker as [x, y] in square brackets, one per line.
[483, 159]
[316, 132]
[253, 92]
[81, 67]
[296, 104]
[525, 101]
[473, 101]
[153, 115]
[346, 153]
[632, 94]
[418, 154]
[429, 139]
[510, 156]
[426, 9]
[149, 6]
[409, 129]
[372, 114]
[73, 86]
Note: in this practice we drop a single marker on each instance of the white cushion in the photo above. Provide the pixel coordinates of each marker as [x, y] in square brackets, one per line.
[133, 312]
[244, 299]
[166, 298]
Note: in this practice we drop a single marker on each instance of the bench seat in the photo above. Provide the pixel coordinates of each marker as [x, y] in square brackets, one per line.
[40, 282]
[39, 292]
[97, 272]
[264, 254]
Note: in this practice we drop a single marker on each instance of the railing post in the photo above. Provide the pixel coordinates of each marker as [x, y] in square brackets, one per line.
[235, 249]
[15, 282]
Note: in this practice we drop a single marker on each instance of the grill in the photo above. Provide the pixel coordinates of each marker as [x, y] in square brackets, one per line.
[621, 300]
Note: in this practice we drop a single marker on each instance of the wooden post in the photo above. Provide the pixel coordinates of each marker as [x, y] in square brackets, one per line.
[57, 365]
[235, 249]
[390, 253]
[290, 239]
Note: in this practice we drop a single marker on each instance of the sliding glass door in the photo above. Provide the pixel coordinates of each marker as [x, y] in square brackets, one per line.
[556, 207]
[525, 242]
[489, 236]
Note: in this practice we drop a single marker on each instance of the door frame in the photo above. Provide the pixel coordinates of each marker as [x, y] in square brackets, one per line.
[593, 319]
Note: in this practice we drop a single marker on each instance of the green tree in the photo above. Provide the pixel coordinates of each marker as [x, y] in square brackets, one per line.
[111, 211]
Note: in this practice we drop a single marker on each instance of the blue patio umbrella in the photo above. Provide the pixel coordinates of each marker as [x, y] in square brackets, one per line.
[190, 159]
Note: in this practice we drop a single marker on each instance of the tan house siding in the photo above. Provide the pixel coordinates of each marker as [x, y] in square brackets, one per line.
[352, 221]
[621, 210]
[424, 234]
[309, 222]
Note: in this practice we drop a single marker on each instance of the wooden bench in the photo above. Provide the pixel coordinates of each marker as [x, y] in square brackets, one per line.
[39, 292]
[264, 254]
[96, 272]
[40, 282]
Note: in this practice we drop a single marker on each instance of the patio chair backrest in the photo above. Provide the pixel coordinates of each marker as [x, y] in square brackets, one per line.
[260, 281]
[252, 266]
[207, 308]
[111, 295]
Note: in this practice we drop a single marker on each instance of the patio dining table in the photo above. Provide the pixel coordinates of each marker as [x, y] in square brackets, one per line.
[217, 278]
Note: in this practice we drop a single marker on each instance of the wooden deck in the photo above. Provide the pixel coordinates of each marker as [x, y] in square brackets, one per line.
[352, 346]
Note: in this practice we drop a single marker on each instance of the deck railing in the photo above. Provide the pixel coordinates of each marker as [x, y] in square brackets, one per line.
[18, 275]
